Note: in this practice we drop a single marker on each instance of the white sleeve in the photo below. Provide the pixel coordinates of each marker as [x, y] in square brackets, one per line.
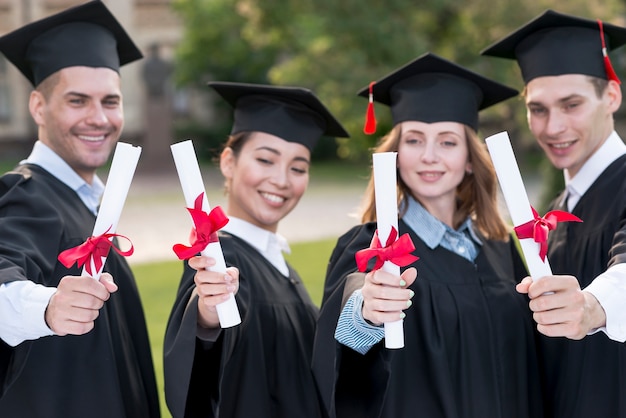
[22, 310]
[609, 289]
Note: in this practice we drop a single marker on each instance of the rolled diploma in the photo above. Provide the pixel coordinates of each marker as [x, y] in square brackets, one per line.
[192, 185]
[121, 174]
[384, 164]
[516, 199]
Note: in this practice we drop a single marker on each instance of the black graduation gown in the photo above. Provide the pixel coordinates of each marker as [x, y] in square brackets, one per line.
[587, 378]
[105, 373]
[470, 347]
[259, 368]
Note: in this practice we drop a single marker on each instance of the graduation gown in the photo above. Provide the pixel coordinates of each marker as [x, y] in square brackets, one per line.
[105, 373]
[588, 377]
[470, 347]
[259, 368]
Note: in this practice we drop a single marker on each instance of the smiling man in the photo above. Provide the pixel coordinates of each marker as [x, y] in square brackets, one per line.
[70, 346]
[572, 93]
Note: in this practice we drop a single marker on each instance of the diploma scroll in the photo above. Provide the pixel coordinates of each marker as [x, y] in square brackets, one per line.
[385, 190]
[192, 185]
[516, 199]
[125, 159]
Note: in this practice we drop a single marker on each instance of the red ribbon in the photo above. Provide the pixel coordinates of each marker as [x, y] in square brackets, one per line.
[205, 231]
[94, 249]
[397, 251]
[538, 228]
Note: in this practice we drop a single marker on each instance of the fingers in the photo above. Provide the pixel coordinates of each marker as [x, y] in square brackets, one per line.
[385, 296]
[522, 287]
[201, 263]
[107, 281]
[213, 288]
[562, 309]
[76, 304]
[553, 284]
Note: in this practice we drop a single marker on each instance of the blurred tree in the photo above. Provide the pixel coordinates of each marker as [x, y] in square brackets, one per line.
[337, 47]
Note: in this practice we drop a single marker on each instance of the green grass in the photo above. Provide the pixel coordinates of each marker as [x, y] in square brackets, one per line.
[158, 283]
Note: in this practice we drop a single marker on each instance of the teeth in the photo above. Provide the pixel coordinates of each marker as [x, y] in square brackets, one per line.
[562, 145]
[273, 197]
[91, 138]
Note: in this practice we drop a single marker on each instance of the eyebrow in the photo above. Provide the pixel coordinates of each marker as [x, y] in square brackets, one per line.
[275, 151]
[561, 100]
[87, 96]
[438, 133]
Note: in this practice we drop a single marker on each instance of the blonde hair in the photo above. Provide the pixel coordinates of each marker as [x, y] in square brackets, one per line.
[476, 194]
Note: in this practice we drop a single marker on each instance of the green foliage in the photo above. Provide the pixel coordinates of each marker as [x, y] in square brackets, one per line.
[337, 47]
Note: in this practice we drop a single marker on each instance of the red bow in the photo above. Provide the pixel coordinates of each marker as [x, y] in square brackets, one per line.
[396, 251]
[205, 231]
[539, 227]
[94, 249]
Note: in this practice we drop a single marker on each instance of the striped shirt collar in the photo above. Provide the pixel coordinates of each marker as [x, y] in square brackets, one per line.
[430, 229]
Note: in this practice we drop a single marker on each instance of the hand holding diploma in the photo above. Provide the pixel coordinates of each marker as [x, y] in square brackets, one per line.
[195, 197]
[384, 292]
[560, 307]
[75, 305]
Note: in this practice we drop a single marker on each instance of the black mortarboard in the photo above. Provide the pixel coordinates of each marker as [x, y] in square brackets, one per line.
[556, 44]
[432, 89]
[85, 35]
[294, 114]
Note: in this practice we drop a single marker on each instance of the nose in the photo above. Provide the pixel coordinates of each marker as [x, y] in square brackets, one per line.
[280, 177]
[555, 124]
[97, 115]
[429, 154]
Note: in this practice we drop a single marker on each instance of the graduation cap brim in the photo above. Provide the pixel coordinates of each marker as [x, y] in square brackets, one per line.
[292, 113]
[554, 43]
[15, 45]
[439, 97]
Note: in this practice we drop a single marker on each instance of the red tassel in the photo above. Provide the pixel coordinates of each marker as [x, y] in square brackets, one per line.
[610, 72]
[370, 117]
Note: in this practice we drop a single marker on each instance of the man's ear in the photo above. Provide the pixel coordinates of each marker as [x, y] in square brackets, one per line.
[613, 94]
[36, 104]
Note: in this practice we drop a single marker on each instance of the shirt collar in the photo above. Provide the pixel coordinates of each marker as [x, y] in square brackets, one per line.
[430, 229]
[46, 158]
[611, 150]
[259, 238]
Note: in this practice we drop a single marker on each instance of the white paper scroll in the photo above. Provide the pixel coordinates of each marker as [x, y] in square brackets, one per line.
[385, 179]
[516, 199]
[192, 185]
[125, 159]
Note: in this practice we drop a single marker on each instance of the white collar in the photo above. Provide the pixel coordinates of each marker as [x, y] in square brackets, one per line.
[257, 237]
[611, 150]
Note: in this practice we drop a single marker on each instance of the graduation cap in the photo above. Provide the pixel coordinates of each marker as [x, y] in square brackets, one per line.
[85, 35]
[294, 114]
[555, 44]
[432, 89]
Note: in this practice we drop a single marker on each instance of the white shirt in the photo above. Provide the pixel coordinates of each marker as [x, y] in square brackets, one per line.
[269, 244]
[609, 288]
[23, 303]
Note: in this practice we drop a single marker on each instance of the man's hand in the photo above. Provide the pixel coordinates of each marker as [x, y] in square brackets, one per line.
[76, 304]
[561, 308]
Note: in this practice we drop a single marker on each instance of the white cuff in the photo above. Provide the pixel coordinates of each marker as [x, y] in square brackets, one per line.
[609, 289]
[23, 305]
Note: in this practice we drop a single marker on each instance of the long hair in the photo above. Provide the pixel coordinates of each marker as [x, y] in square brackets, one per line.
[476, 194]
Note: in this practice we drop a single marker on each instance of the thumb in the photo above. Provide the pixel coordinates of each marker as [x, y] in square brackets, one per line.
[522, 287]
[107, 281]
